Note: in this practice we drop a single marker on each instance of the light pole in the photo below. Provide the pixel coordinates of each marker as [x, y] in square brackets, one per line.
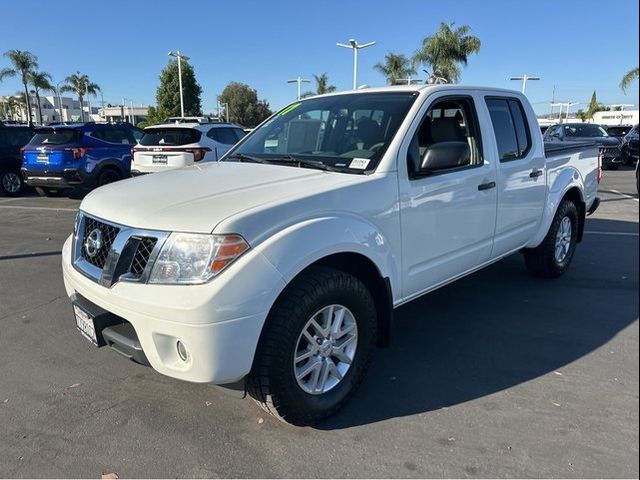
[355, 46]
[299, 81]
[524, 79]
[180, 57]
[59, 100]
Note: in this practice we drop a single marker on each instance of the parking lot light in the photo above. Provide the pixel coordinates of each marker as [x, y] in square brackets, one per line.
[299, 81]
[179, 56]
[353, 44]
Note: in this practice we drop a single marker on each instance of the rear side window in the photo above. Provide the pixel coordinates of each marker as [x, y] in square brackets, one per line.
[223, 135]
[112, 135]
[504, 128]
[55, 137]
[522, 129]
[239, 133]
[170, 136]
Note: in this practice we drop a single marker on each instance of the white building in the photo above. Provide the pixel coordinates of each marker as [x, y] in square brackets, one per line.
[617, 117]
[52, 111]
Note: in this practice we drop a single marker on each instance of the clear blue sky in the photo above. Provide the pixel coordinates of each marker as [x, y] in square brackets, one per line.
[578, 46]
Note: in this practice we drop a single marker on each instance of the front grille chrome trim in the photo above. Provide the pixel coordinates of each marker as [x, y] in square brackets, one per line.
[123, 249]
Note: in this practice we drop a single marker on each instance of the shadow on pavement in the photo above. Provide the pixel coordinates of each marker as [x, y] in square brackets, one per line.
[499, 328]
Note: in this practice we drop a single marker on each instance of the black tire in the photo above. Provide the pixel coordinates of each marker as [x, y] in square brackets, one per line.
[48, 192]
[272, 382]
[108, 175]
[11, 183]
[541, 261]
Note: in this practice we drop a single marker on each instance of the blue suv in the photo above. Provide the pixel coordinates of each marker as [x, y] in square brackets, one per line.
[81, 157]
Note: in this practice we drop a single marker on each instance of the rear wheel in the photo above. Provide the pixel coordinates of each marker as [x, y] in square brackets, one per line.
[553, 256]
[10, 183]
[48, 192]
[108, 175]
[315, 347]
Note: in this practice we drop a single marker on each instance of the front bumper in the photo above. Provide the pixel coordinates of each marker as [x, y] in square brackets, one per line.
[219, 322]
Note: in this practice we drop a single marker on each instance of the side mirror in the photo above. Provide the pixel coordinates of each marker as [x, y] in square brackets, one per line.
[445, 155]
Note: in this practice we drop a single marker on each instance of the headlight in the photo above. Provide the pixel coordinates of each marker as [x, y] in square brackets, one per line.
[189, 258]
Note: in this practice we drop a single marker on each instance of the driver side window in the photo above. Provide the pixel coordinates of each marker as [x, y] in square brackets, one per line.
[447, 139]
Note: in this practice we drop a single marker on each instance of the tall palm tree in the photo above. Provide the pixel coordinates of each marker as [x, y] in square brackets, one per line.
[395, 68]
[628, 78]
[23, 63]
[81, 85]
[322, 84]
[445, 51]
[41, 82]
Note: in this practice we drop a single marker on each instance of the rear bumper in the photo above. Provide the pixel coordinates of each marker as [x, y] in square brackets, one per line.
[68, 178]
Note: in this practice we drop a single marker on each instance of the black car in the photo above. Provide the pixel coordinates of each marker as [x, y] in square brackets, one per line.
[629, 146]
[12, 139]
[588, 132]
[618, 130]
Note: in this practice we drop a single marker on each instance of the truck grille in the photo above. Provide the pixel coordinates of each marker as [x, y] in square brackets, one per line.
[108, 252]
[610, 151]
[107, 234]
[141, 257]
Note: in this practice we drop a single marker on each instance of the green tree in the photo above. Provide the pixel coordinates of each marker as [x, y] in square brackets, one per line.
[628, 78]
[81, 85]
[322, 86]
[154, 116]
[395, 68]
[594, 106]
[41, 82]
[244, 106]
[23, 63]
[444, 52]
[168, 92]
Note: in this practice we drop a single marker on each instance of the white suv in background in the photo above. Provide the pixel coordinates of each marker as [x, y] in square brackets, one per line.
[167, 146]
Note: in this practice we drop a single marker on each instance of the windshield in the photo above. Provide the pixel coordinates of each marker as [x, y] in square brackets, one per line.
[585, 131]
[347, 132]
[54, 137]
[170, 136]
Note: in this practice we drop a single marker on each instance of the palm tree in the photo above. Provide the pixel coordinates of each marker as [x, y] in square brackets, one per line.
[395, 68]
[81, 86]
[444, 51]
[322, 84]
[23, 63]
[629, 77]
[41, 82]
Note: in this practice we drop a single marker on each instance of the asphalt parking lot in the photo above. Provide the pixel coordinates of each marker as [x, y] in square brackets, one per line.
[498, 375]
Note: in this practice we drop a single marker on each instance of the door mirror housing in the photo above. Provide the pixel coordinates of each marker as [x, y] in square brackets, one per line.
[445, 156]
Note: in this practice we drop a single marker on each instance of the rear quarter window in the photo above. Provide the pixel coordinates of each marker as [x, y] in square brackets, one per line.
[170, 136]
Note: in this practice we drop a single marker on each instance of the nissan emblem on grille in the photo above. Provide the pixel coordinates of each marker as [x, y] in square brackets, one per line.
[93, 242]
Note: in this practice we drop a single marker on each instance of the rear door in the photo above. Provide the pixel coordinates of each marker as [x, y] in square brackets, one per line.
[448, 215]
[113, 144]
[164, 148]
[521, 173]
[51, 149]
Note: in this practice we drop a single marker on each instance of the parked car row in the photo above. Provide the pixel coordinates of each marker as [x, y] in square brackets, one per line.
[83, 156]
[616, 150]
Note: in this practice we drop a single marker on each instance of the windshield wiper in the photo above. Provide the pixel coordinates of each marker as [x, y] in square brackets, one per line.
[249, 158]
[308, 163]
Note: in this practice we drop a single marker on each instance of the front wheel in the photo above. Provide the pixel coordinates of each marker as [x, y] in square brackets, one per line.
[315, 347]
[10, 183]
[553, 256]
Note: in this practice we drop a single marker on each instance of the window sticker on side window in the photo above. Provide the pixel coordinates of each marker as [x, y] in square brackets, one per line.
[359, 163]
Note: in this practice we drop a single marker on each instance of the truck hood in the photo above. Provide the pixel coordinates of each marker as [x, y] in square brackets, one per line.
[197, 198]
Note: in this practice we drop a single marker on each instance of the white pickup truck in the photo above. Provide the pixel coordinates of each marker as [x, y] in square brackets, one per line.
[276, 270]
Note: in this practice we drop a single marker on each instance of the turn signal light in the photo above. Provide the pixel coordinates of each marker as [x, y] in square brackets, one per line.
[231, 248]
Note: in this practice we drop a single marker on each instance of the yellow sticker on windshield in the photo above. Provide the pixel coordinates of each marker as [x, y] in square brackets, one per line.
[290, 108]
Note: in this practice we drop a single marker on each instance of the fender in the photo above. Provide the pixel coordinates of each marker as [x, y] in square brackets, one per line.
[559, 184]
[299, 245]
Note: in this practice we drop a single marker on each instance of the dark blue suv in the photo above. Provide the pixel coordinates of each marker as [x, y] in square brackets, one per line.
[80, 157]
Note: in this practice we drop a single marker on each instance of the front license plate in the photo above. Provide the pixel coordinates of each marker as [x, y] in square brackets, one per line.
[84, 322]
[159, 159]
[42, 157]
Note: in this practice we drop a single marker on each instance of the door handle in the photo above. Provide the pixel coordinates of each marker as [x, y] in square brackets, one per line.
[486, 186]
[535, 173]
